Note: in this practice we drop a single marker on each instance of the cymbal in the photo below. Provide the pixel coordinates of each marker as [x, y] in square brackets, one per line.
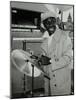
[23, 62]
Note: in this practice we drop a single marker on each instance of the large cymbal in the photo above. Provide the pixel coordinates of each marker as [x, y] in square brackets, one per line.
[22, 61]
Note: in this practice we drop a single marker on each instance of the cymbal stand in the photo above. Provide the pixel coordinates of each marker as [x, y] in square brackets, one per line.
[24, 76]
[32, 80]
[24, 83]
[32, 94]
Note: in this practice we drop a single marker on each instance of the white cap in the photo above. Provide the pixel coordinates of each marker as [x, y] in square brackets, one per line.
[47, 15]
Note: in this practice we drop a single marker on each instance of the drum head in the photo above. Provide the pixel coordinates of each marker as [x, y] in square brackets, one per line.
[22, 61]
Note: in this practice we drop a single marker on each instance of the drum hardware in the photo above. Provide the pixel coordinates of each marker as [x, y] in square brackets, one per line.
[24, 81]
[32, 79]
[28, 65]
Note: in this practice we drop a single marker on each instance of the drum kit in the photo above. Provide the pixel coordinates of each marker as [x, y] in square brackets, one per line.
[27, 64]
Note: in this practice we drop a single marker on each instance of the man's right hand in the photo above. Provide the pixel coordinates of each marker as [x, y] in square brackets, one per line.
[44, 60]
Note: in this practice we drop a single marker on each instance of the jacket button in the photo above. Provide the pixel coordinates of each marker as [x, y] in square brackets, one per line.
[53, 75]
[55, 85]
[56, 59]
[54, 55]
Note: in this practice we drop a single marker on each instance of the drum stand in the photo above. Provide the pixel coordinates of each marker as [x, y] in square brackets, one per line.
[24, 89]
[24, 84]
[32, 92]
[24, 81]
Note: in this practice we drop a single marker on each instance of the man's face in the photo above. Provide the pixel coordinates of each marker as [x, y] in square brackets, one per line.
[50, 24]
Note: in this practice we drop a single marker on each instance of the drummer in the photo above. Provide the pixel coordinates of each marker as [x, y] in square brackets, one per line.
[58, 47]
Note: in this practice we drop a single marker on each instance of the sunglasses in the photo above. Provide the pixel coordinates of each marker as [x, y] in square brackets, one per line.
[50, 21]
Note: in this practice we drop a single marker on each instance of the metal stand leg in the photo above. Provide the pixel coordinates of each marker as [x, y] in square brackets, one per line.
[32, 80]
[24, 48]
[24, 81]
[24, 89]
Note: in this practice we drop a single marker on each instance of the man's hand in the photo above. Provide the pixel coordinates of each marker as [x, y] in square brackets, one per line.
[44, 60]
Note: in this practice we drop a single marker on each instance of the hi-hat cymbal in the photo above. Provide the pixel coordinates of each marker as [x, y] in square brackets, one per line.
[22, 61]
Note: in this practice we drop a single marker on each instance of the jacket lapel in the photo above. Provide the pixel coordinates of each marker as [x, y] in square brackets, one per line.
[55, 41]
[44, 46]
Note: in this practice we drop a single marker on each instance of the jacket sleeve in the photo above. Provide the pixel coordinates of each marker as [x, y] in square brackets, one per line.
[66, 57]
